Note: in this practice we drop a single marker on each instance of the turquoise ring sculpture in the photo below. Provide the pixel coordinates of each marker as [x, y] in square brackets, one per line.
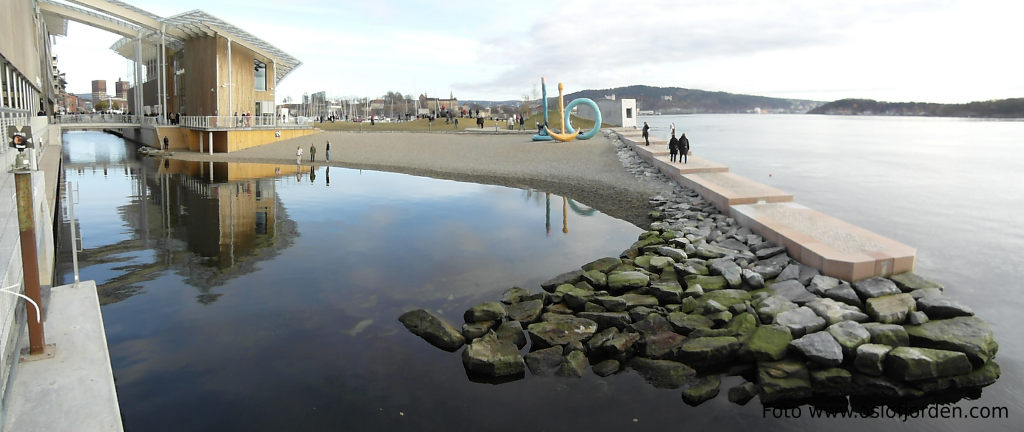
[569, 133]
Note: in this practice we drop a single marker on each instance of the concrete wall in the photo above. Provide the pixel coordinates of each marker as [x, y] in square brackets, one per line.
[619, 112]
[18, 42]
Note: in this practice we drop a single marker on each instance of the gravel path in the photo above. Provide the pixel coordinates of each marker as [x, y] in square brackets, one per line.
[587, 171]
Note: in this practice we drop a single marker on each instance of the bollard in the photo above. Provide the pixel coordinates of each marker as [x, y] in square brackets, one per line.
[29, 258]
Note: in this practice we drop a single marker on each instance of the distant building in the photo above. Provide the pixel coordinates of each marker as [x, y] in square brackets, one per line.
[621, 113]
[666, 98]
[121, 88]
[99, 91]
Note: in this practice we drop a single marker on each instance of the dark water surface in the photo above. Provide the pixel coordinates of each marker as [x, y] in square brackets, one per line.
[267, 300]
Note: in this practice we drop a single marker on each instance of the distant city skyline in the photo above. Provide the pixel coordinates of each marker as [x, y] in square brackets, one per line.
[925, 51]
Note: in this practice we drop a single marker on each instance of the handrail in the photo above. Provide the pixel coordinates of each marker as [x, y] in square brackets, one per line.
[242, 122]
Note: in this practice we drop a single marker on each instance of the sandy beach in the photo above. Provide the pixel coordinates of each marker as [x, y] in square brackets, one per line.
[587, 171]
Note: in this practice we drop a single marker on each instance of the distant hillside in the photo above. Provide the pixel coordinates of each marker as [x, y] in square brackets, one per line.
[675, 100]
[1003, 108]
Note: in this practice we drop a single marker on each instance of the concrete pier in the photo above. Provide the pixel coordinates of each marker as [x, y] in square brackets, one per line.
[835, 247]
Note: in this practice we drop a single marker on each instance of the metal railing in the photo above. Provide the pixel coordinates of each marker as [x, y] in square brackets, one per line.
[242, 122]
[98, 118]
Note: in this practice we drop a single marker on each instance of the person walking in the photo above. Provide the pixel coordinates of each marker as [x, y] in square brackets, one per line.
[328, 151]
[684, 147]
[298, 156]
[673, 147]
[312, 152]
[647, 134]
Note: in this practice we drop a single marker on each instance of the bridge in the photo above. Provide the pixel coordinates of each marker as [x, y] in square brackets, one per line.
[205, 123]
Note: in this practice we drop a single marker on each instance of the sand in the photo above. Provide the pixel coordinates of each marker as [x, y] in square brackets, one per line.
[587, 171]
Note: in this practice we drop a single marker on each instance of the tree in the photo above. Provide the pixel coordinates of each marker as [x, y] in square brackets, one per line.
[101, 106]
[115, 106]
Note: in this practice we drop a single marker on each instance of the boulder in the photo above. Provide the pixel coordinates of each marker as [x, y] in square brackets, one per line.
[719, 319]
[606, 367]
[767, 271]
[640, 313]
[474, 330]
[850, 335]
[844, 293]
[528, 311]
[492, 357]
[573, 365]
[742, 326]
[888, 334]
[917, 318]
[696, 390]
[634, 300]
[490, 311]
[790, 272]
[596, 341]
[968, 335]
[660, 262]
[512, 332]
[915, 364]
[831, 382]
[890, 309]
[870, 358]
[514, 295]
[925, 292]
[610, 303]
[664, 345]
[911, 281]
[743, 393]
[621, 345]
[769, 252]
[820, 348]
[726, 297]
[677, 255]
[551, 333]
[768, 343]
[875, 287]
[941, 307]
[753, 278]
[783, 380]
[575, 298]
[652, 324]
[793, 291]
[770, 308]
[806, 274]
[662, 373]
[603, 265]
[624, 281]
[833, 311]
[432, 329]
[667, 291]
[820, 284]
[596, 278]
[728, 269]
[564, 278]
[980, 377]
[683, 323]
[605, 320]
[708, 350]
[707, 283]
[800, 321]
[544, 361]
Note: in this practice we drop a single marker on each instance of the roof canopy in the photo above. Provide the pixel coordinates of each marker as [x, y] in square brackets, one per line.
[135, 24]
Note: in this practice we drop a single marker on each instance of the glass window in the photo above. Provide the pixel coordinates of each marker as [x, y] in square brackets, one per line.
[629, 112]
[260, 77]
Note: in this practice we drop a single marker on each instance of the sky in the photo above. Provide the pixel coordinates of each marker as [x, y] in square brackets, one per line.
[946, 51]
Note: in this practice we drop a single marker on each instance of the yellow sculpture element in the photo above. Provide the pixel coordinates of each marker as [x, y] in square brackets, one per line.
[561, 110]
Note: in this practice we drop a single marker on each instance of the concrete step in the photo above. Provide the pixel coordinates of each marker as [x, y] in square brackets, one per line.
[725, 189]
[835, 247]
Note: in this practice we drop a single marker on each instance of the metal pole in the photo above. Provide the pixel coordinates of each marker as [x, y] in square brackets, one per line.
[163, 75]
[230, 89]
[74, 233]
[29, 258]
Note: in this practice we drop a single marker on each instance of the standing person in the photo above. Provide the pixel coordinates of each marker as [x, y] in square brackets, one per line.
[673, 147]
[684, 147]
[328, 151]
[312, 152]
[298, 157]
[522, 122]
[167, 143]
[647, 134]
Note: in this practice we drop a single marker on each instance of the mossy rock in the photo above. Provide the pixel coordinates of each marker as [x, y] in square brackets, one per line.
[709, 283]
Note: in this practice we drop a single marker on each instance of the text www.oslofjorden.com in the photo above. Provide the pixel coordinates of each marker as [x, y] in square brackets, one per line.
[886, 412]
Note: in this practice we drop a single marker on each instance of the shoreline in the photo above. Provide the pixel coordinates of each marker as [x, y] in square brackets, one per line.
[587, 171]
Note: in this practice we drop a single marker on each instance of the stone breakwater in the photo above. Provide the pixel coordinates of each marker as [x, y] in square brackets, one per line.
[698, 296]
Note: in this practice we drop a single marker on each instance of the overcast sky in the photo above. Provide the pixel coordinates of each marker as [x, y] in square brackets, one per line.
[928, 51]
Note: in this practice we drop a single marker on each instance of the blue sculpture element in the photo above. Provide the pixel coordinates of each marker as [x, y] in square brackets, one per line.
[597, 121]
[542, 135]
[568, 133]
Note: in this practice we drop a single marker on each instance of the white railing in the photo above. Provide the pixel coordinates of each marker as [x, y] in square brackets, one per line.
[96, 118]
[242, 122]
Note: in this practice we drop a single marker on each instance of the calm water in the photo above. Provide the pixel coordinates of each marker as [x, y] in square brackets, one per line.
[267, 300]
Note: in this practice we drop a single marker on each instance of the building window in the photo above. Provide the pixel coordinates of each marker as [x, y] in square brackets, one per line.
[629, 112]
[260, 76]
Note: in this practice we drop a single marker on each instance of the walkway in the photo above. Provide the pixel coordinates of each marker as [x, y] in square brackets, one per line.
[834, 247]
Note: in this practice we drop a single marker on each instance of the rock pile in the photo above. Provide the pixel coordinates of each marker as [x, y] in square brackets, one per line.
[697, 296]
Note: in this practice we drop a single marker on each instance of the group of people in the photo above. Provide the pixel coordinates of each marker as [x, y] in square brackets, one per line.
[678, 148]
[312, 153]
[515, 119]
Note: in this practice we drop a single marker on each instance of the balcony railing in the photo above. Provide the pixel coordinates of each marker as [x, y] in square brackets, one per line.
[242, 122]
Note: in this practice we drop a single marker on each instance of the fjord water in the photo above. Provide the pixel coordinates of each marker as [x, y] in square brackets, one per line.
[268, 300]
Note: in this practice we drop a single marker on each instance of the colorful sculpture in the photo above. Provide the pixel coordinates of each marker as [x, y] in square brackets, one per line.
[568, 132]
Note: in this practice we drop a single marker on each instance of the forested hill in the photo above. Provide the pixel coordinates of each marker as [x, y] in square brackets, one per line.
[1002, 108]
[675, 100]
